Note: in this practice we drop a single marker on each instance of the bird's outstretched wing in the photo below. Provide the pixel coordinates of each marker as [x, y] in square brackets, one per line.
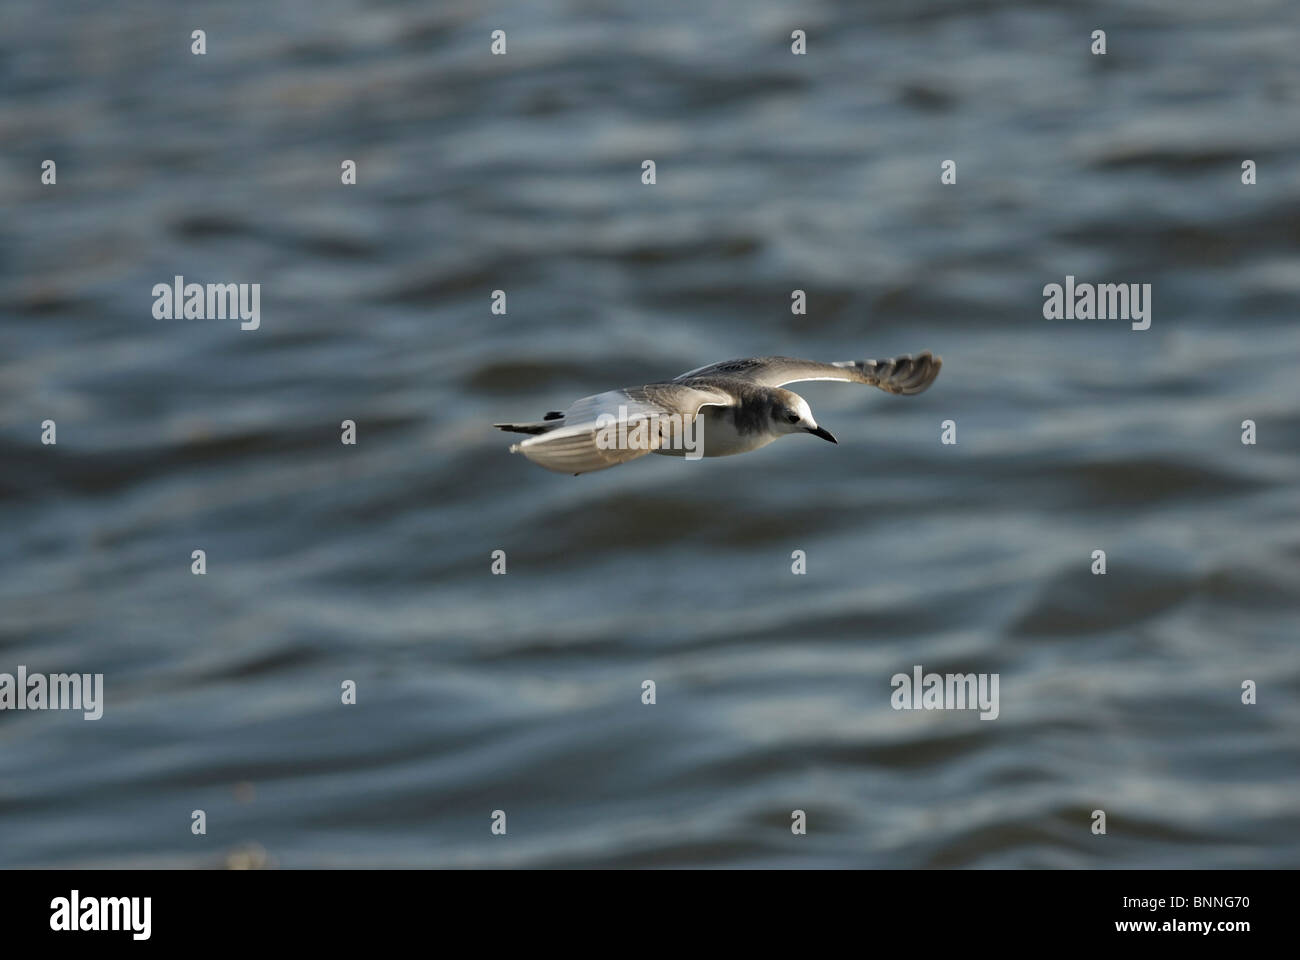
[906, 375]
[617, 426]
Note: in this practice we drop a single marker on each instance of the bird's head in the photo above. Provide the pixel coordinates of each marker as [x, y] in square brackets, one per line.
[791, 414]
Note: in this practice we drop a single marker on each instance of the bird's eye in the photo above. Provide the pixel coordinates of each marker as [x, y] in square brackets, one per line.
[792, 417]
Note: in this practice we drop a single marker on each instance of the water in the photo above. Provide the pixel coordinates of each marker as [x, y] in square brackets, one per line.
[522, 692]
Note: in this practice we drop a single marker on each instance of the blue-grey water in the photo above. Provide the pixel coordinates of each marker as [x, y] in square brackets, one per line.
[522, 693]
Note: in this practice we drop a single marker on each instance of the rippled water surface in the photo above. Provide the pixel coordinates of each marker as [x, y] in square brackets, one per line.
[522, 692]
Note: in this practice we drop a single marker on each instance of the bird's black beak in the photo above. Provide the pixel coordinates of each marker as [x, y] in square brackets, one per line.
[823, 433]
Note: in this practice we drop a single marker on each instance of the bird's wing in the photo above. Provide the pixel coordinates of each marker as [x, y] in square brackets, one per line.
[617, 426]
[905, 375]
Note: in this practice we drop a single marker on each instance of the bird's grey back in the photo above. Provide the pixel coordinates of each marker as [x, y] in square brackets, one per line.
[753, 402]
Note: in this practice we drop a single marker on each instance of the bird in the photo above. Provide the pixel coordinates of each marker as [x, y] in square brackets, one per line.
[717, 410]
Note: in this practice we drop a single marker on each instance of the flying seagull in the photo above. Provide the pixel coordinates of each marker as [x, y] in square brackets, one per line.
[714, 411]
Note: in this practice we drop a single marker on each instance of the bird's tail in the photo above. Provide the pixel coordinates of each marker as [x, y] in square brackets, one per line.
[550, 422]
[906, 375]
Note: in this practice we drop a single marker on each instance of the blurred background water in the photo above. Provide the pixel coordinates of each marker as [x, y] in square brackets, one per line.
[522, 692]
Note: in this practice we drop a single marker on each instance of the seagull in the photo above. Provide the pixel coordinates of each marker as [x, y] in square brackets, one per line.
[714, 411]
